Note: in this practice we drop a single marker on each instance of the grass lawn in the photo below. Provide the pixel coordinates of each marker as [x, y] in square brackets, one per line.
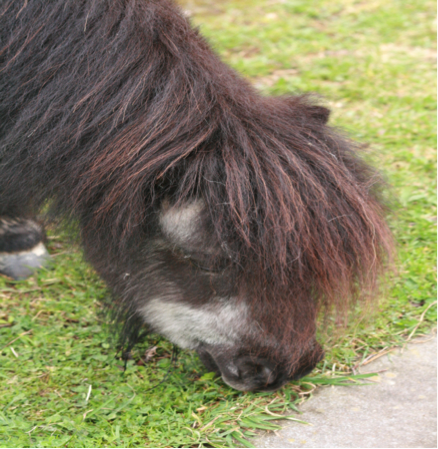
[61, 384]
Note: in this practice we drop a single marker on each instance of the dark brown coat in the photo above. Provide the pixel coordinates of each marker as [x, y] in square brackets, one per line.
[108, 107]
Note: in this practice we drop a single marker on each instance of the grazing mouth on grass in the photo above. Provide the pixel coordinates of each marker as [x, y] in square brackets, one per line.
[250, 373]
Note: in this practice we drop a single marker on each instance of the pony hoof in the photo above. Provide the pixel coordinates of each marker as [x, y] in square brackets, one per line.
[21, 265]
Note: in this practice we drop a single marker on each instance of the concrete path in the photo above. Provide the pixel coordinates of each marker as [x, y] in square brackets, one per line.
[399, 410]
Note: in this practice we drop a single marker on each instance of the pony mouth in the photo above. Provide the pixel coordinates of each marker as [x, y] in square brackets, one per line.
[208, 360]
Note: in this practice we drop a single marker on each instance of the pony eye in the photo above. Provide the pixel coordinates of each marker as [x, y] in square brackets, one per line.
[204, 263]
[204, 267]
[201, 261]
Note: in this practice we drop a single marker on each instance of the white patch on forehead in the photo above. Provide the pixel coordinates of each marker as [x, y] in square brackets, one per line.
[220, 322]
[181, 222]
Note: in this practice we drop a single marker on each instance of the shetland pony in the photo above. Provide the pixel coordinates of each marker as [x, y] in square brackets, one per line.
[223, 219]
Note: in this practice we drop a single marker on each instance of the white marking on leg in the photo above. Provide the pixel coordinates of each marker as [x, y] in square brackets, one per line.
[38, 250]
[21, 264]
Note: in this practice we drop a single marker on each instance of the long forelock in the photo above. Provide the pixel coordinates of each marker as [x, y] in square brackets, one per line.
[300, 204]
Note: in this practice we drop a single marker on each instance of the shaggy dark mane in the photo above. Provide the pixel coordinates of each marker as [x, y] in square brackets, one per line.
[124, 104]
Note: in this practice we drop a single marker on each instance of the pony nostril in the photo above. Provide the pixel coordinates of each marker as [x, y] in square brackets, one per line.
[258, 374]
[265, 375]
[269, 375]
[262, 372]
[234, 370]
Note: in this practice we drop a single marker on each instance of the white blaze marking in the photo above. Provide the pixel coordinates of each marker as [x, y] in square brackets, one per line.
[220, 322]
[180, 223]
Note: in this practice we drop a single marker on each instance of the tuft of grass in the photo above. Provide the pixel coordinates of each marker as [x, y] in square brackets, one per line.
[62, 384]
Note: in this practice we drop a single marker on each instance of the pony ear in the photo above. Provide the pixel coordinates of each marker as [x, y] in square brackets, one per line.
[303, 106]
[319, 113]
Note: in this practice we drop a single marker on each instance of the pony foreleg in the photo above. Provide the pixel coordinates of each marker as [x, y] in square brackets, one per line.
[22, 249]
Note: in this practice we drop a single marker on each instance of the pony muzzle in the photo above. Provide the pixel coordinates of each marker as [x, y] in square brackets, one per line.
[243, 373]
[252, 373]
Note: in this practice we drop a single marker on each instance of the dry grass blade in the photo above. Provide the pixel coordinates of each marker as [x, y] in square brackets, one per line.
[420, 320]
